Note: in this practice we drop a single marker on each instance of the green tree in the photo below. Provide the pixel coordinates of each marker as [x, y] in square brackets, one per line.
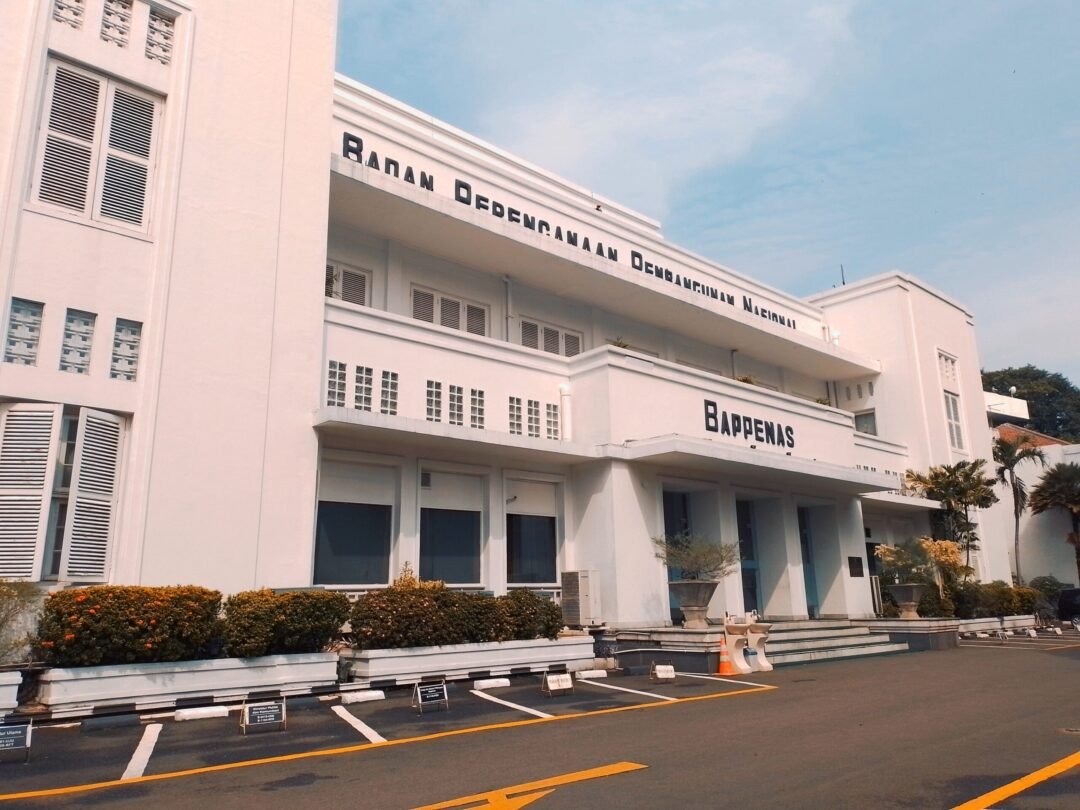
[1059, 488]
[959, 488]
[1008, 455]
[1053, 401]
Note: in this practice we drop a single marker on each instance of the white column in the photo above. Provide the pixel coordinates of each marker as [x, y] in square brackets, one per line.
[783, 588]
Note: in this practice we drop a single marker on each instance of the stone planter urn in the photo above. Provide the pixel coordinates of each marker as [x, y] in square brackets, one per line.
[907, 596]
[694, 596]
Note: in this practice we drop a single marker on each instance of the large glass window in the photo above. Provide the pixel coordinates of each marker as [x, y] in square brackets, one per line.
[530, 549]
[450, 545]
[352, 544]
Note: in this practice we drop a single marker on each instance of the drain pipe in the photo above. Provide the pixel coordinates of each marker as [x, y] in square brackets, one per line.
[567, 426]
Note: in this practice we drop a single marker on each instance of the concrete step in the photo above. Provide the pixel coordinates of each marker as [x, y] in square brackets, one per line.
[821, 632]
[808, 656]
[778, 646]
[810, 624]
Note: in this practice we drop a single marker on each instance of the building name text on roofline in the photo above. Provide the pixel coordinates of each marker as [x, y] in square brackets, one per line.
[352, 148]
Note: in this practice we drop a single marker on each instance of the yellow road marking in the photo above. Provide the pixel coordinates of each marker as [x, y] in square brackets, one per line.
[1021, 784]
[351, 749]
[533, 790]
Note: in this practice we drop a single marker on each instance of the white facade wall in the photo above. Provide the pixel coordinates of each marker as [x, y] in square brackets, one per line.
[270, 425]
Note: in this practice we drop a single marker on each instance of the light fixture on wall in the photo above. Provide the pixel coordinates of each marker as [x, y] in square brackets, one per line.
[511, 499]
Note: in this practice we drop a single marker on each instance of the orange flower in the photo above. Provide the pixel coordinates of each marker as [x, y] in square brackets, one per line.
[81, 597]
[92, 611]
[149, 646]
[69, 637]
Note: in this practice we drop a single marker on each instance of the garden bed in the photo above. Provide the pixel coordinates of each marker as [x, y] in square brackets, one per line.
[148, 686]
[460, 661]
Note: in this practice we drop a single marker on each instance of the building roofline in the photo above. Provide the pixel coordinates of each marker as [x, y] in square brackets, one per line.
[890, 278]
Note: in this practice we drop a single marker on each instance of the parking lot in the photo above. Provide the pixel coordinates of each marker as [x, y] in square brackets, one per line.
[917, 730]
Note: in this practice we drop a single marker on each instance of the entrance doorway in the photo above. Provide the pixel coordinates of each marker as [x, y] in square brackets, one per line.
[676, 521]
[751, 576]
[813, 606]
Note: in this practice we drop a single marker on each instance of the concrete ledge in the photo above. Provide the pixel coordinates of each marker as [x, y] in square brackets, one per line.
[204, 713]
[362, 696]
[490, 683]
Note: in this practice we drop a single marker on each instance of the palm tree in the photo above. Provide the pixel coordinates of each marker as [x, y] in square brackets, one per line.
[1060, 488]
[959, 488]
[1009, 455]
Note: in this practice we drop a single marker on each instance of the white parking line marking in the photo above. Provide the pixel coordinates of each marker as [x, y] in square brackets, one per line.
[143, 751]
[631, 691]
[520, 708]
[365, 730]
[716, 678]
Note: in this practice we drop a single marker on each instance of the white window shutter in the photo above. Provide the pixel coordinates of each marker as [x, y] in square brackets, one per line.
[70, 132]
[572, 343]
[127, 159]
[551, 340]
[449, 313]
[354, 287]
[530, 335]
[329, 283]
[29, 441]
[92, 502]
[423, 305]
[475, 320]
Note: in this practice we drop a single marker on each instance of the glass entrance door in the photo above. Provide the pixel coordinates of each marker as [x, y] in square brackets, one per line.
[751, 577]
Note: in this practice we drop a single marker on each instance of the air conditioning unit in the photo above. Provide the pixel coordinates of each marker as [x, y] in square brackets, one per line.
[581, 598]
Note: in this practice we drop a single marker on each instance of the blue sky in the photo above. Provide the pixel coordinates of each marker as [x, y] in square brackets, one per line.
[783, 139]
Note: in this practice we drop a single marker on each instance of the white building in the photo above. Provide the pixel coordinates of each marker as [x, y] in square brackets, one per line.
[265, 326]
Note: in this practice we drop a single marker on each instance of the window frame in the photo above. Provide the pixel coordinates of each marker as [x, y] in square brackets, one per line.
[100, 150]
[541, 325]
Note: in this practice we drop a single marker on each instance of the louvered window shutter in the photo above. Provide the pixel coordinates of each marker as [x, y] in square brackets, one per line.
[423, 305]
[329, 281]
[354, 287]
[29, 439]
[449, 313]
[572, 344]
[530, 335]
[551, 340]
[127, 158]
[71, 131]
[92, 502]
[475, 320]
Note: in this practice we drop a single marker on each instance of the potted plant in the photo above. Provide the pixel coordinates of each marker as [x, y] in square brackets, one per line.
[699, 564]
[908, 571]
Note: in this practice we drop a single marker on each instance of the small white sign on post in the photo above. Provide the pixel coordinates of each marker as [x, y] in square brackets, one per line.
[430, 694]
[662, 673]
[557, 683]
[263, 716]
[16, 739]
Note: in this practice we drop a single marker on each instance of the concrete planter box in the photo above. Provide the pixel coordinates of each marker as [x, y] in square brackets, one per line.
[9, 691]
[152, 685]
[460, 661]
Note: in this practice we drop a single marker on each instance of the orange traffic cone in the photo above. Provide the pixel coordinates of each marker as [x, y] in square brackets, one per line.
[726, 667]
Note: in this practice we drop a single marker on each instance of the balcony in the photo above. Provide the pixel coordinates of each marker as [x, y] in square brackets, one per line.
[497, 400]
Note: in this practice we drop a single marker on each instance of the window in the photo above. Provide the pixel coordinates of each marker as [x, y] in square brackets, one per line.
[534, 418]
[78, 336]
[388, 397]
[159, 36]
[434, 401]
[335, 384]
[352, 544]
[515, 415]
[552, 421]
[362, 392]
[58, 474]
[96, 147]
[70, 12]
[476, 409]
[125, 353]
[24, 332]
[347, 284]
[434, 307]
[116, 22]
[457, 405]
[530, 549]
[450, 545]
[553, 339]
[947, 369]
[866, 422]
[952, 416]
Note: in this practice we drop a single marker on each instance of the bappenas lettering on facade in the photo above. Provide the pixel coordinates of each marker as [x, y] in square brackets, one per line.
[748, 428]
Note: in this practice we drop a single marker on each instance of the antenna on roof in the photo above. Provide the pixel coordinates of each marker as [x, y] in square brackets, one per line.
[843, 281]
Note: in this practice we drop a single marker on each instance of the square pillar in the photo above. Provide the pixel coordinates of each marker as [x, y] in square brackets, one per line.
[783, 589]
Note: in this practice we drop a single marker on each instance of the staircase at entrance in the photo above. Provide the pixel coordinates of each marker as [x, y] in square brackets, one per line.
[824, 639]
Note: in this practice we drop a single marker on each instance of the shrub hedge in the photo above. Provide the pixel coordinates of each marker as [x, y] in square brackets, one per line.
[408, 616]
[268, 623]
[970, 600]
[120, 624]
